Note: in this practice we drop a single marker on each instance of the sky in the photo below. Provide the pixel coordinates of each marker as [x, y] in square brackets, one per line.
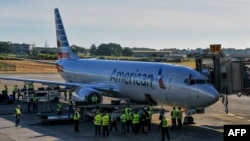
[156, 24]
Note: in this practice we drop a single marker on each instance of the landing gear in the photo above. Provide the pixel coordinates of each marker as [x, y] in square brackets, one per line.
[188, 119]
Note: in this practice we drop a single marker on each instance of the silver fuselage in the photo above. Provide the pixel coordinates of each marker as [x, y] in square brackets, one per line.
[135, 79]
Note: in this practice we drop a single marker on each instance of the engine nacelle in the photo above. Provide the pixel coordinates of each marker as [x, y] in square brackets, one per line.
[84, 95]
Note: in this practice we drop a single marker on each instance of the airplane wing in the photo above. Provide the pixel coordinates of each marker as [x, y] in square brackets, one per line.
[112, 90]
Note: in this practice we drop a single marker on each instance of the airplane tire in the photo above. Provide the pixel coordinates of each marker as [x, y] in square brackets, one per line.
[188, 120]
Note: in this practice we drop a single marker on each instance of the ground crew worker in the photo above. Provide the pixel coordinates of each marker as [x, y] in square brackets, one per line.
[179, 118]
[150, 113]
[173, 118]
[76, 118]
[70, 93]
[30, 101]
[105, 124]
[129, 120]
[35, 101]
[70, 107]
[14, 91]
[123, 120]
[59, 108]
[6, 90]
[136, 121]
[31, 87]
[17, 114]
[113, 122]
[65, 95]
[164, 128]
[19, 95]
[97, 122]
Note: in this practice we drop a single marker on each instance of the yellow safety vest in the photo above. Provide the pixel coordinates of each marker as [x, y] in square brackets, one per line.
[124, 118]
[173, 114]
[35, 99]
[136, 118]
[164, 122]
[59, 106]
[17, 112]
[76, 116]
[105, 120]
[98, 119]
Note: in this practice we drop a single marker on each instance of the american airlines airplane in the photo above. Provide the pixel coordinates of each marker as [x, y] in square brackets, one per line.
[154, 83]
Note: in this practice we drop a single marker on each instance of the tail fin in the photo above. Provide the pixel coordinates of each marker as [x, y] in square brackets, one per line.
[63, 49]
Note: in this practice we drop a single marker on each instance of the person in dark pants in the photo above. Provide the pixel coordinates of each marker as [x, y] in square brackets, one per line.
[105, 124]
[70, 107]
[113, 122]
[98, 122]
[59, 108]
[179, 118]
[35, 101]
[17, 114]
[173, 118]
[76, 118]
[164, 128]
[29, 103]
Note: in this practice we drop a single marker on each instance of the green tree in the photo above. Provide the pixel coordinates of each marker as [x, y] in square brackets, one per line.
[78, 49]
[6, 47]
[110, 49]
[93, 49]
[127, 52]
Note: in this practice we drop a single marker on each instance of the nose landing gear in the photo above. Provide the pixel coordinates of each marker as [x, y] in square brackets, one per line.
[188, 119]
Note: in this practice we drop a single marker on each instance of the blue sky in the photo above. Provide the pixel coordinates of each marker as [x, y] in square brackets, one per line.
[153, 24]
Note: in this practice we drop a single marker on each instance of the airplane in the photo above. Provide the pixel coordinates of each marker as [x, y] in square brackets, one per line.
[151, 82]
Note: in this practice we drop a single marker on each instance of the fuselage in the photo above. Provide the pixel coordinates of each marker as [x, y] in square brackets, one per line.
[164, 83]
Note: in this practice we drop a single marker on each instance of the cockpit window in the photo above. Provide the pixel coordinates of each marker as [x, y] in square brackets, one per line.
[195, 81]
[200, 81]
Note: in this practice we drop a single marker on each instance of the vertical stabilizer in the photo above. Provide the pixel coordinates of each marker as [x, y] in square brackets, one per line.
[63, 49]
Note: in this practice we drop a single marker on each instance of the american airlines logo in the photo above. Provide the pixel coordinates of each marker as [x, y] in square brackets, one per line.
[135, 78]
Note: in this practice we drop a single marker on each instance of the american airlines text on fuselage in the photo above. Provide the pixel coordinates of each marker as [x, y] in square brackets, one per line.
[134, 78]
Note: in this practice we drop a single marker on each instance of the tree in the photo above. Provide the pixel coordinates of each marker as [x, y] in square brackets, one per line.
[78, 49]
[127, 52]
[93, 50]
[6, 47]
[110, 49]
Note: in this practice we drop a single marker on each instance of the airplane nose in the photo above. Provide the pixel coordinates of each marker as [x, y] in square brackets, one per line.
[212, 96]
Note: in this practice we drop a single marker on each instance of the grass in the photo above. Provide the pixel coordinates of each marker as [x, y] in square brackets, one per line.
[23, 66]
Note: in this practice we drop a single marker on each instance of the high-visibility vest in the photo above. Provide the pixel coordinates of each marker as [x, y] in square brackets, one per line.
[173, 114]
[123, 118]
[76, 116]
[164, 122]
[98, 119]
[70, 102]
[105, 120]
[129, 116]
[150, 113]
[14, 88]
[17, 112]
[136, 118]
[35, 99]
[179, 114]
[59, 106]
[31, 86]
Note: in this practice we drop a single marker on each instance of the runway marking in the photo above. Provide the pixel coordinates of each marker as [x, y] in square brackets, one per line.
[209, 128]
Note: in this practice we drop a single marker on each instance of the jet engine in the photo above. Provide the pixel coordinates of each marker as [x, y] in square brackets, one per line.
[87, 96]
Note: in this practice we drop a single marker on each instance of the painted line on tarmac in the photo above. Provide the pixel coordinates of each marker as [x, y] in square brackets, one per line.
[209, 128]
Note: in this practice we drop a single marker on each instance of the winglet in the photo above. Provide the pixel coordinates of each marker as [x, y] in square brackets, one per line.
[64, 50]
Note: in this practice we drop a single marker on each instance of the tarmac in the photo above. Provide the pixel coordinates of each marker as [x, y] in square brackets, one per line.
[33, 129]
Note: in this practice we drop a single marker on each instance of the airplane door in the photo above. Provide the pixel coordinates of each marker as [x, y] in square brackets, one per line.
[170, 81]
